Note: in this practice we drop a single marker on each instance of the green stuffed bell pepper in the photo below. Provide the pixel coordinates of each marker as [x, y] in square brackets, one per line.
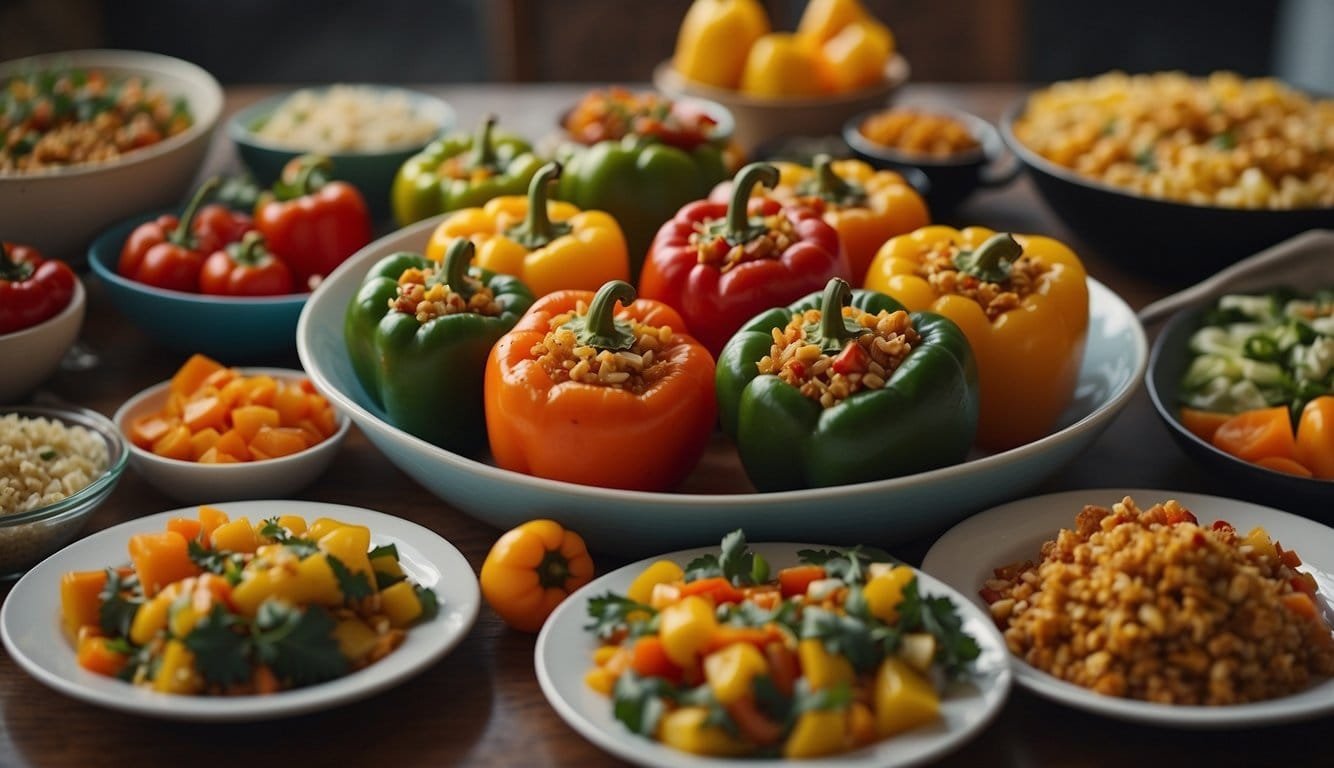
[419, 332]
[462, 171]
[846, 387]
[641, 182]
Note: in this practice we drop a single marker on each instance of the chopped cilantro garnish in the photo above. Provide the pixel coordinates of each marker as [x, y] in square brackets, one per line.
[736, 563]
[120, 598]
[611, 612]
[354, 585]
[221, 654]
[297, 644]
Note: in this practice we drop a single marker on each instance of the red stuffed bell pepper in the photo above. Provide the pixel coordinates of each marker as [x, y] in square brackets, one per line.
[720, 264]
[311, 223]
[32, 289]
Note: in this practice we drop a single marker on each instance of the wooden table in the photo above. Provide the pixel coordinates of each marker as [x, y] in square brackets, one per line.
[481, 705]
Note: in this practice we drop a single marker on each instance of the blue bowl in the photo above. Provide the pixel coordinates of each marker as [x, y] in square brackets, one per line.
[235, 330]
[370, 172]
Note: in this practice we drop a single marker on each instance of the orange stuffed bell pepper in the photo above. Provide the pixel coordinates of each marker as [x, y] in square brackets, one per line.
[865, 206]
[1021, 300]
[549, 245]
[581, 393]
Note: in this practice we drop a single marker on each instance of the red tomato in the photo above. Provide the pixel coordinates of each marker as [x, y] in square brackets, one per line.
[245, 269]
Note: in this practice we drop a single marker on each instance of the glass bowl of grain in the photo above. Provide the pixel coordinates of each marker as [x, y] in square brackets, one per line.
[57, 464]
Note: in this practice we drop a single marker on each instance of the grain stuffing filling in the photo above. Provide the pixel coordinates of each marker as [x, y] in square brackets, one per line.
[865, 363]
[938, 269]
[421, 296]
[715, 249]
[1147, 604]
[635, 369]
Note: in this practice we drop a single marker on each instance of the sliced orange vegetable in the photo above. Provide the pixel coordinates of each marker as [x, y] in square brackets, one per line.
[233, 444]
[193, 373]
[1203, 424]
[648, 659]
[795, 580]
[212, 456]
[95, 655]
[159, 559]
[1257, 434]
[248, 419]
[1315, 437]
[201, 441]
[205, 412]
[186, 527]
[80, 603]
[175, 444]
[278, 441]
[292, 405]
[146, 430]
[717, 589]
[1284, 464]
[209, 520]
[1301, 604]
[724, 636]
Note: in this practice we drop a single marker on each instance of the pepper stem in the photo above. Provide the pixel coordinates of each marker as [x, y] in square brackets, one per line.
[454, 272]
[181, 235]
[302, 176]
[740, 229]
[483, 150]
[833, 188]
[992, 260]
[13, 271]
[249, 251]
[554, 570]
[833, 332]
[537, 228]
[600, 328]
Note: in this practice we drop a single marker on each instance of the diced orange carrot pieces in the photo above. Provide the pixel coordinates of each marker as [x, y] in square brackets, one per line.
[186, 527]
[278, 441]
[1299, 603]
[1283, 464]
[292, 405]
[325, 420]
[214, 456]
[175, 444]
[160, 559]
[233, 394]
[175, 406]
[193, 373]
[219, 379]
[201, 441]
[1256, 434]
[247, 420]
[262, 389]
[80, 601]
[209, 520]
[205, 412]
[1203, 424]
[146, 430]
[95, 655]
[233, 443]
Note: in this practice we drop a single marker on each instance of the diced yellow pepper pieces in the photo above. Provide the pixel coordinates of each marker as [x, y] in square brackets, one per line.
[399, 602]
[317, 583]
[350, 544]
[354, 638]
[387, 564]
[1259, 541]
[731, 670]
[686, 729]
[821, 668]
[177, 674]
[151, 616]
[661, 572]
[817, 732]
[884, 592]
[600, 680]
[324, 525]
[236, 536]
[904, 699]
[685, 628]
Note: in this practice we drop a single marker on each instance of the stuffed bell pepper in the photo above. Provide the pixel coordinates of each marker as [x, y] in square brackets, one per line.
[583, 393]
[462, 171]
[639, 158]
[1022, 300]
[418, 333]
[720, 264]
[866, 206]
[549, 245]
[846, 387]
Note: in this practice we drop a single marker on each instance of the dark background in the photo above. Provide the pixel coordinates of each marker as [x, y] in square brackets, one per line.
[250, 41]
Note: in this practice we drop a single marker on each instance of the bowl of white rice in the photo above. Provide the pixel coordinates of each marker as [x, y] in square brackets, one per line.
[368, 131]
[56, 466]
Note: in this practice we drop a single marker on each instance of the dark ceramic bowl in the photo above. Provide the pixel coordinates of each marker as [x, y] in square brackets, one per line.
[1167, 364]
[1173, 242]
[950, 179]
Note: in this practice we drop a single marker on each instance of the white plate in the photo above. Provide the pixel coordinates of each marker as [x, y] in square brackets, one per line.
[965, 556]
[30, 619]
[565, 651]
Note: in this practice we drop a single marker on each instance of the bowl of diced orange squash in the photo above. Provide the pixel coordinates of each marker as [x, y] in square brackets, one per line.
[214, 433]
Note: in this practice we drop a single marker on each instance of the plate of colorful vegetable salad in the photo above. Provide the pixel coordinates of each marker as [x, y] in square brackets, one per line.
[772, 652]
[241, 611]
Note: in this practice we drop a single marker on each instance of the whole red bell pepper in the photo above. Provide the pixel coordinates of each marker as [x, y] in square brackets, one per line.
[32, 288]
[217, 226]
[245, 268]
[310, 222]
[720, 264]
[166, 252]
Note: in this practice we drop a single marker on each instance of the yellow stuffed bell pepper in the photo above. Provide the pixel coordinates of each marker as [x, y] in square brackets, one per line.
[714, 39]
[1021, 300]
[549, 245]
[866, 206]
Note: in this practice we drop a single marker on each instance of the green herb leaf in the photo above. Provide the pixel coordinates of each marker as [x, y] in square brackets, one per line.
[217, 561]
[385, 580]
[850, 565]
[384, 550]
[937, 615]
[748, 614]
[842, 635]
[640, 702]
[703, 567]
[47, 454]
[221, 654]
[736, 563]
[837, 696]
[120, 599]
[430, 603]
[611, 612]
[354, 585]
[300, 547]
[297, 644]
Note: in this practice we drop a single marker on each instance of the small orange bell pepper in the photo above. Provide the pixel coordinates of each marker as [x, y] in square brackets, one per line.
[531, 569]
[604, 421]
[1315, 437]
[865, 206]
[549, 245]
[1029, 343]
